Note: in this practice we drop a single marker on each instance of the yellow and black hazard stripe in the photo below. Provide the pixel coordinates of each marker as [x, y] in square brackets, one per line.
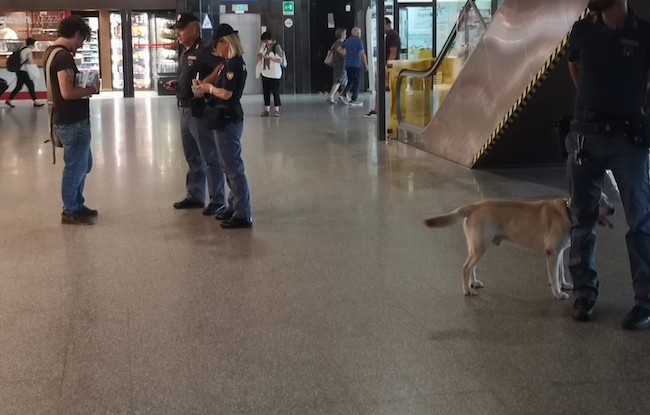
[523, 100]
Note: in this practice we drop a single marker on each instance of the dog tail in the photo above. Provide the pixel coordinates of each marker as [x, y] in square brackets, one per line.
[450, 218]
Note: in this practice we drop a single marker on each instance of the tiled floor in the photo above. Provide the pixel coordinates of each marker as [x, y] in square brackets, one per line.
[338, 301]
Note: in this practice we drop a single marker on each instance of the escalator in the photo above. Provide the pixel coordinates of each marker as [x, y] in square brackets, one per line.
[495, 93]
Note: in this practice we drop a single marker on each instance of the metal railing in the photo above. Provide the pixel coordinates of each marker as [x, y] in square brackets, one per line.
[461, 25]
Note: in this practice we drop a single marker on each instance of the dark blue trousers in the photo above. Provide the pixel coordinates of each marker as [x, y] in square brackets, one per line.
[629, 164]
[353, 82]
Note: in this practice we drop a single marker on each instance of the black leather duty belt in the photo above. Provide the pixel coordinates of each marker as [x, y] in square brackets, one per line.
[606, 117]
[184, 103]
[604, 128]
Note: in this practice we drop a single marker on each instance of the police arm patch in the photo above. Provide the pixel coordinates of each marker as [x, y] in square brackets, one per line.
[230, 75]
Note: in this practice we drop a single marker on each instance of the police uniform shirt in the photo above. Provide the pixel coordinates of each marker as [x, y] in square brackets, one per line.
[613, 65]
[232, 78]
[197, 59]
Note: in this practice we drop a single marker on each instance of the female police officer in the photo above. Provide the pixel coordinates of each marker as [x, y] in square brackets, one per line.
[609, 59]
[227, 119]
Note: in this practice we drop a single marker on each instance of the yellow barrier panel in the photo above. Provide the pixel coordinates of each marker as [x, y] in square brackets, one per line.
[415, 93]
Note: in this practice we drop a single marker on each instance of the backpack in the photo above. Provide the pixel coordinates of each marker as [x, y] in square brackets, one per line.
[284, 55]
[13, 61]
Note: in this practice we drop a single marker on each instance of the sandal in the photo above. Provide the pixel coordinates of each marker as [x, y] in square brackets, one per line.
[265, 114]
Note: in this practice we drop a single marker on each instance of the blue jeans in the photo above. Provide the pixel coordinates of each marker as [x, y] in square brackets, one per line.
[203, 159]
[229, 143]
[629, 164]
[353, 82]
[78, 161]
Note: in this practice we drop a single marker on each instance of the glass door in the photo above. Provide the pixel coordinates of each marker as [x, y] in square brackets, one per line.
[116, 51]
[448, 12]
[415, 27]
[141, 51]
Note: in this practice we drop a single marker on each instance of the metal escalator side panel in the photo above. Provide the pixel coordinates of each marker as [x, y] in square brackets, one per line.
[517, 44]
[523, 99]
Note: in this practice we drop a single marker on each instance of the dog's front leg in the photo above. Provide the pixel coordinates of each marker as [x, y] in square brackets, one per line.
[468, 268]
[563, 283]
[552, 266]
[475, 283]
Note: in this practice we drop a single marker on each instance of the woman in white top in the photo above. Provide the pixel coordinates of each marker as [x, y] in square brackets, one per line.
[22, 77]
[271, 56]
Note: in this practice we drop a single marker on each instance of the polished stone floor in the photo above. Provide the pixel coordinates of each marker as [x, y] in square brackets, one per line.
[338, 301]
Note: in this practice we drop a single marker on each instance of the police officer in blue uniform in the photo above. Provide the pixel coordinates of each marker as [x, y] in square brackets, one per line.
[227, 120]
[197, 62]
[609, 61]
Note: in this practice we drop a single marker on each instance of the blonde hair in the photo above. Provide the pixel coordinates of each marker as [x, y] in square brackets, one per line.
[236, 49]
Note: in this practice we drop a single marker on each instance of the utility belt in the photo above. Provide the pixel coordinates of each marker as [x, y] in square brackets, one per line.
[634, 127]
[184, 103]
[601, 128]
[218, 116]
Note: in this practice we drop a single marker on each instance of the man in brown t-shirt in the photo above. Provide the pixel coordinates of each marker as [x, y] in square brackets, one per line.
[71, 118]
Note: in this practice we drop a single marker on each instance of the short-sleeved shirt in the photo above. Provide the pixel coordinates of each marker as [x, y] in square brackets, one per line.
[196, 60]
[25, 55]
[65, 111]
[338, 58]
[233, 78]
[393, 41]
[613, 65]
[353, 47]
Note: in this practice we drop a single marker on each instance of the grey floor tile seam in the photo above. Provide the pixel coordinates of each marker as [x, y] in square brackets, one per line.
[66, 351]
[295, 409]
[130, 360]
[423, 327]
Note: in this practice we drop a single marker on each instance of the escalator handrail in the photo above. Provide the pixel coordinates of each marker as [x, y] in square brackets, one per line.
[420, 74]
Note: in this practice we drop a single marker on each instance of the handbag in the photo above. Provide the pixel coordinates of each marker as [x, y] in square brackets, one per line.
[33, 71]
[258, 69]
[329, 59]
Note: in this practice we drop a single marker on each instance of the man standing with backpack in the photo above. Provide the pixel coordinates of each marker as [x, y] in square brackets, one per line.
[17, 63]
[71, 117]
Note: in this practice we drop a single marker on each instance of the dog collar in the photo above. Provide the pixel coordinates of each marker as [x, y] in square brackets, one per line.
[567, 204]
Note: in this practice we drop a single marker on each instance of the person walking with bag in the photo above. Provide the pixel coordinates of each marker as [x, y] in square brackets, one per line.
[272, 56]
[339, 74]
[22, 75]
[199, 147]
[71, 117]
[226, 117]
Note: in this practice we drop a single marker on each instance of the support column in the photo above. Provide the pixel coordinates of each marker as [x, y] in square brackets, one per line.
[127, 53]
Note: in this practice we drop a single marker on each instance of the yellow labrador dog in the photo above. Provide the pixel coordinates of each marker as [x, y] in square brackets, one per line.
[542, 226]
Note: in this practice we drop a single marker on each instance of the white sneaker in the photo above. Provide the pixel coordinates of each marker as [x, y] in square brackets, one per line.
[356, 104]
[344, 99]
[330, 100]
